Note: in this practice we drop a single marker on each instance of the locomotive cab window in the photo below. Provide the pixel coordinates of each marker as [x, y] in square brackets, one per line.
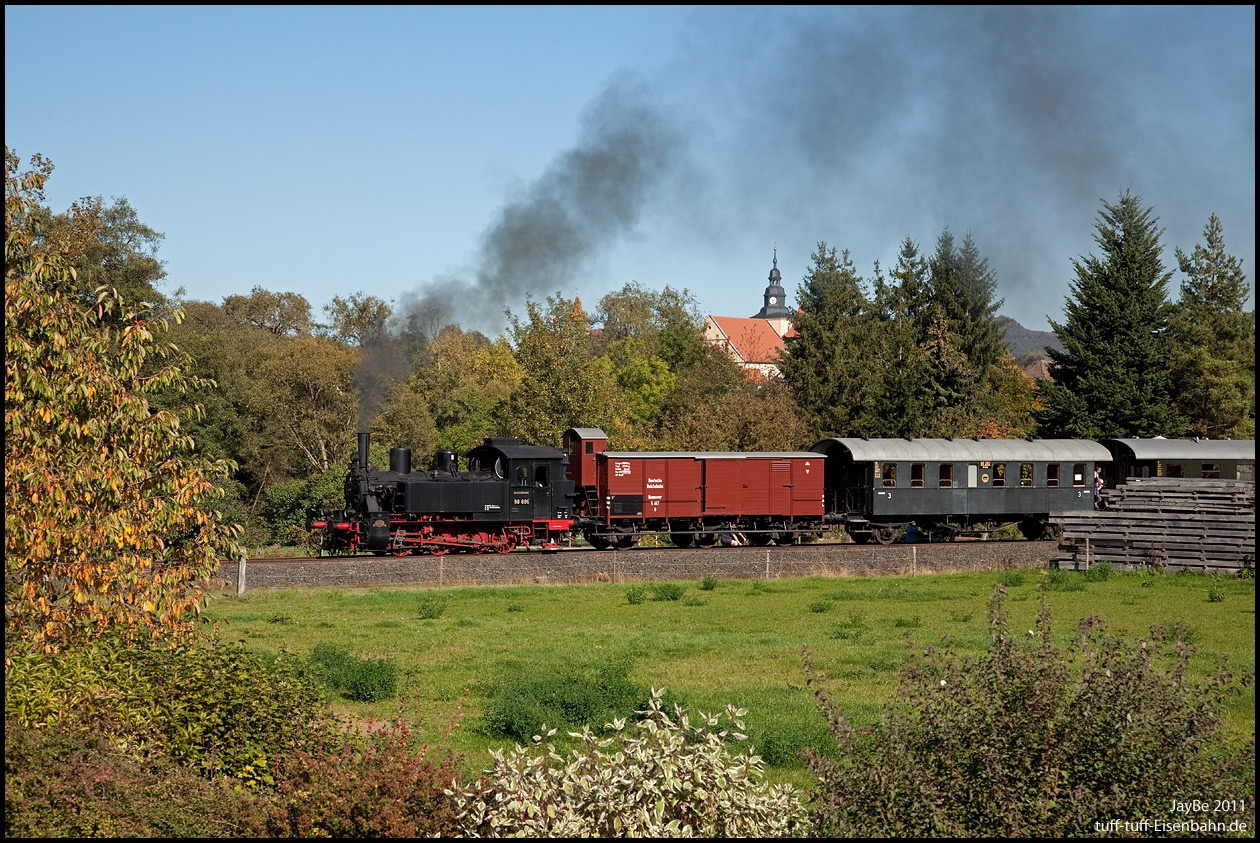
[540, 476]
[1211, 471]
[1052, 475]
[1078, 474]
[522, 476]
[1025, 474]
[890, 474]
[946, 475]
[999, 474]
[916, 475]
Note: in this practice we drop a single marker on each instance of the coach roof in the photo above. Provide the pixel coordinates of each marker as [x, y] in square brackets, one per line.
[966, 450]
[1187, 449]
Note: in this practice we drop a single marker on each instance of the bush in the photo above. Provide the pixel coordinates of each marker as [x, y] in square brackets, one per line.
[1018, 743]
[708, 583]
[636, 594]
[665, 591]
[664, 777]
[81, 783]
[364, 680]
[431, 607]
[216, 707]
[377, 788]
[1098, 572]
[521, 706]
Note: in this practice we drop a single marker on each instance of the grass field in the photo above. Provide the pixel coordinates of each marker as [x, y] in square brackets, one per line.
[498, 650]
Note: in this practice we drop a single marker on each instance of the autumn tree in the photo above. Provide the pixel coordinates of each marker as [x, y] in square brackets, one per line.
[283, 314]
[108, 246]
[109, 519]
[1214, 342]
[562, 386]
[465, 381]
[357, 319]
[1112, 377]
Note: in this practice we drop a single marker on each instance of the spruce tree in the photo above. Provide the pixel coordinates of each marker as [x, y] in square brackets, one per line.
[1112, 378]
[1214, 342]
[827, 366]
[903, 306]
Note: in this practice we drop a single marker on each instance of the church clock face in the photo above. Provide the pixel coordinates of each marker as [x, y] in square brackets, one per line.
[774, 299]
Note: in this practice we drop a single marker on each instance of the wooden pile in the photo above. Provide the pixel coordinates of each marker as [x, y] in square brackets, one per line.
[1168, 523]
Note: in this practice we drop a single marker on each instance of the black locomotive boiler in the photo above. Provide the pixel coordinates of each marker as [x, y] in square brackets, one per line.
[512, 495]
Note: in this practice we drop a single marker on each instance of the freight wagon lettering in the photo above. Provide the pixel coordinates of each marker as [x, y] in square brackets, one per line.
[655, 483]
[621, 469]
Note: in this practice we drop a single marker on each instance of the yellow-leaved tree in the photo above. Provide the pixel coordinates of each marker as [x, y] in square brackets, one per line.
[109, 518]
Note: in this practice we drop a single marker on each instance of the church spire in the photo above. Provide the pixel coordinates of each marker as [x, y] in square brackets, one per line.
[774, 306]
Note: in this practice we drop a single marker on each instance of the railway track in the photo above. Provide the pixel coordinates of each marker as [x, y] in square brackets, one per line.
[585, 565]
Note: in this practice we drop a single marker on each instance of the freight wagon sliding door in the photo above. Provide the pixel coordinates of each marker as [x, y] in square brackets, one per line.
[756, 487]
[807, 487]
[723, 487]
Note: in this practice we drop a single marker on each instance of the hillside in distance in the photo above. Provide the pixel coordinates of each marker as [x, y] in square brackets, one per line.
[1022, 341]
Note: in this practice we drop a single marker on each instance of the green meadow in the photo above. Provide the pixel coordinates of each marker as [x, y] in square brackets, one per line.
[493, 663]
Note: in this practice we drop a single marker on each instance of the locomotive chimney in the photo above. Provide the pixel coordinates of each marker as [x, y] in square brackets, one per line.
[365, 440]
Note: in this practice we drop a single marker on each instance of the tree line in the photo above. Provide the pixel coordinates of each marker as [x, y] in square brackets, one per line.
[273, 393]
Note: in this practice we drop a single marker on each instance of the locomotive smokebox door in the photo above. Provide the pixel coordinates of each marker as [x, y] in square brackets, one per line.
[377, 533]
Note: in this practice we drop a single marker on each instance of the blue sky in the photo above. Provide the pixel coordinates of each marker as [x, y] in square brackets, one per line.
[462, 158]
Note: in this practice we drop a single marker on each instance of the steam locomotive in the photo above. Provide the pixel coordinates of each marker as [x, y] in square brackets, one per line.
[514, 495]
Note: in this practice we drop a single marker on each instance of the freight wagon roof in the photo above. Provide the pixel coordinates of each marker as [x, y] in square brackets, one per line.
[1189, 449]
[711, 455]
[967, 450]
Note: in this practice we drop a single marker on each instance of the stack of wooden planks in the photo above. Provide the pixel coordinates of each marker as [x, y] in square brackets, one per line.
[1168, 523]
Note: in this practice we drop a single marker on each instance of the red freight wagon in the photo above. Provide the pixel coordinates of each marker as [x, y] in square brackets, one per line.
[699, 496]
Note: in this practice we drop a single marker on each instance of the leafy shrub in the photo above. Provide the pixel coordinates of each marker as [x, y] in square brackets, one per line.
[663, 777]
[431, 607]
[81, 783]
[664, 591]
[1017, 744]
[1058, 579]
[1011, 579]
[373, 680]
[636, 594]
[521, 705]
[1098, 572]
[708, 583]
[1215, 593]
[217, 707]
[375, 788]
[365, 680]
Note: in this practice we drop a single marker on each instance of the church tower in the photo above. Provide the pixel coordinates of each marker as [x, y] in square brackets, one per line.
[774, 310]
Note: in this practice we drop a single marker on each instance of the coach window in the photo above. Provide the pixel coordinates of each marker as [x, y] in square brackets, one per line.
[1078, 474]
[916, 475]
[999, 474]
[1211, 471]
[1175, 471]
[1025, 474]
[890, 474]
[947, 475]
[1052, 475]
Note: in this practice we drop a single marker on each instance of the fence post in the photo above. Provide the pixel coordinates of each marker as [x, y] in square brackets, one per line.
[767, 566]
[914, 561]
[1087, 553]
[240, 574]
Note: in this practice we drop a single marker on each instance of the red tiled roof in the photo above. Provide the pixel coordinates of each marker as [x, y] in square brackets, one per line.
[752, 339]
